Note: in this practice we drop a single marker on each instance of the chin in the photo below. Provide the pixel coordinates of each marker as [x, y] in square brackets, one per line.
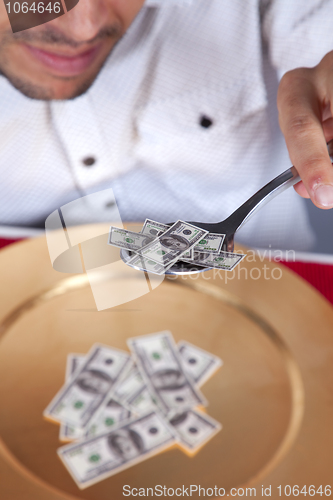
[58, 90]
[72, 91]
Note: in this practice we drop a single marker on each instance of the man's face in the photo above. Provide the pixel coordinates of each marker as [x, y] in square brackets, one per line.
[93, 383]
[174, 243]
[179, 244]
[127, 447]
[168, 379]
[61, 59]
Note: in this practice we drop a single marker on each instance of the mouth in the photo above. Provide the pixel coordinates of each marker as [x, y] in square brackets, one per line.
[63, 64]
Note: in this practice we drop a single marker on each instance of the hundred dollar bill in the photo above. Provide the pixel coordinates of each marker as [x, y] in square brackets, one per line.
[77, 401]
[211, 243]
[70, 432]
[194, 429]
[158, 359]
[189, 254]
[97, 458]
[224, 260]
[173, 243]
[198, 364]
[109, 414]
[148, 265]
[133, 392]
[130, 386]
[152, 228]
[127, 239]
[143, 402]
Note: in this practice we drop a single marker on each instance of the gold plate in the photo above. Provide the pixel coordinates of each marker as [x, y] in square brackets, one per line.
[273, 395]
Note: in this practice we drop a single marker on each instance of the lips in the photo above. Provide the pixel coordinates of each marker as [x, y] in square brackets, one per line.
[65, 65]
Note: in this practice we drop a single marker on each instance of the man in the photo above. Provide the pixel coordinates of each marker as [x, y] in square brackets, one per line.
[180, 121]
[126, 444]
[168, 379]
[175, 242]
[94, 382]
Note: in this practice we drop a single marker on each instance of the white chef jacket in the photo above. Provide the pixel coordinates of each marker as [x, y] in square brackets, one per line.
[183, 65]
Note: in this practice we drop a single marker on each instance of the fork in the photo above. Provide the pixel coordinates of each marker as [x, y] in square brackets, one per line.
[239, 217]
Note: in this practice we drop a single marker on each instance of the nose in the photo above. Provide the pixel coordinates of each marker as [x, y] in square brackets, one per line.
[86, 20]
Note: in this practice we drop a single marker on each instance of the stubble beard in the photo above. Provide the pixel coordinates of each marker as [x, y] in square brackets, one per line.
[38, 91]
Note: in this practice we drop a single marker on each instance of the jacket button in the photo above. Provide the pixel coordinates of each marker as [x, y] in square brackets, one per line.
[205, 121]
[89, 161]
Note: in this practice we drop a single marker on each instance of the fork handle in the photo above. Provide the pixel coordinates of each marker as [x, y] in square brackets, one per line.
[261, 197]
[267, 193]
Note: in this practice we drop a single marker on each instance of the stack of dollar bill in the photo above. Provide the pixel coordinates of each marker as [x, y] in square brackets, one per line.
[158, 246]
[119, 408]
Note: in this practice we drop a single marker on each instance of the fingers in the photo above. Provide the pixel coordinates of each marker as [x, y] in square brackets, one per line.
[328, 133]
[301, 190]
[301, 101]
[328, 129]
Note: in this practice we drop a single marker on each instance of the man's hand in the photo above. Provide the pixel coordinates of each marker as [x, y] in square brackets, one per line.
[305, 104]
